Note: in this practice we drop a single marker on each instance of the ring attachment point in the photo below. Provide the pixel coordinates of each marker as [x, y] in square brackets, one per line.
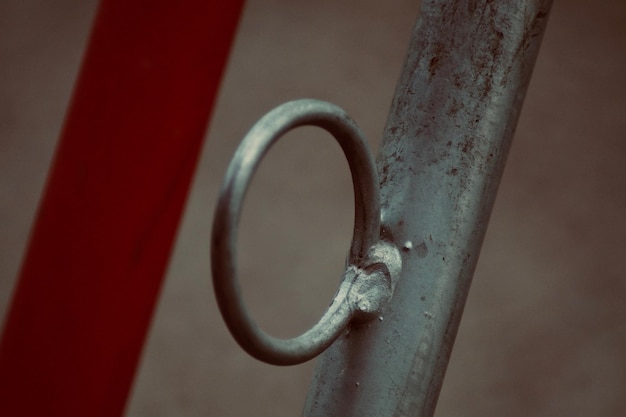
[360, 290]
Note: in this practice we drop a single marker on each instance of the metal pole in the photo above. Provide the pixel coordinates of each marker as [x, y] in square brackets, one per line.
[444, 148]
[115, 195]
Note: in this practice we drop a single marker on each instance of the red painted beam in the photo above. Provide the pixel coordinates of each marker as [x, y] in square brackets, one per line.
[104, 233]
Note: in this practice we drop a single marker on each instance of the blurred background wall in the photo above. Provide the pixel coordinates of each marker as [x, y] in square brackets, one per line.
[544, 331]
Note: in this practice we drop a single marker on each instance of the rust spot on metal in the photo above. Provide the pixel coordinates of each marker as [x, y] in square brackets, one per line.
[454, 108]
[435, 62]
[432, 67]
[397, 157]
[467, 145]
[384, 172]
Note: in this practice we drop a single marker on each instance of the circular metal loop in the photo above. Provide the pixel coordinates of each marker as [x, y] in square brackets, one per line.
[223, 246]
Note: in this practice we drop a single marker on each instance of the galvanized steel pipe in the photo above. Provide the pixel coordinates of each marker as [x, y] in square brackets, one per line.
[445, 144]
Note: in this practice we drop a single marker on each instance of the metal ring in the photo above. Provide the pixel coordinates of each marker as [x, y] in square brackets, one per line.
[223, 247]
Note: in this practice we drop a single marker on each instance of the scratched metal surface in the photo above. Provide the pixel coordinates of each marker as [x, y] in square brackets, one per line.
[444, 146]
[543, 332]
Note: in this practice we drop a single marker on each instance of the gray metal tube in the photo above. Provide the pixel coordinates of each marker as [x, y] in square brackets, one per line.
[444, 148]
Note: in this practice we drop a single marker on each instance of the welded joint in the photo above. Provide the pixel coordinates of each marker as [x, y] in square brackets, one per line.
[372, 286]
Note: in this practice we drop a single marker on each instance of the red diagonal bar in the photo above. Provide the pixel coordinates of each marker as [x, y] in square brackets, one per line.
[112, 205]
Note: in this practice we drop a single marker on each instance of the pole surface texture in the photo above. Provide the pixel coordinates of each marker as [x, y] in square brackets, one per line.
[444, 148]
